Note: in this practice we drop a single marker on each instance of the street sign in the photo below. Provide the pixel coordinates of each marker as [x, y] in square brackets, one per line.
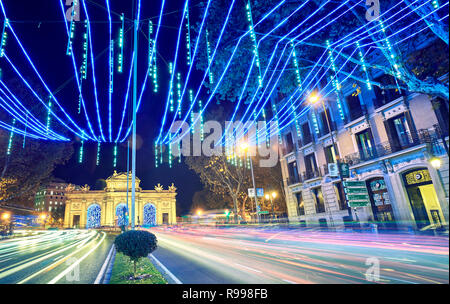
[251, 192]
[259, 192]
[333, 170]
[264, 212]
[356, 193]
[345, 170]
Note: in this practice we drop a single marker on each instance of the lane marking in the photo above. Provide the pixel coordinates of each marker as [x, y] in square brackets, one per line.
[169, 273]
[105, 265]
[249, 268]
[71, 267]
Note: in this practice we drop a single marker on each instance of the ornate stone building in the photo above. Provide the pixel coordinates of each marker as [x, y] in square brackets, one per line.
[86, 208]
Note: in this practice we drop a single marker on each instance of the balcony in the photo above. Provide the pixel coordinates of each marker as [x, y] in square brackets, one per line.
[306, 175]
[292, 180]
[383, 149]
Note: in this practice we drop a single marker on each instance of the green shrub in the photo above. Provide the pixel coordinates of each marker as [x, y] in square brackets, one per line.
[136, 244]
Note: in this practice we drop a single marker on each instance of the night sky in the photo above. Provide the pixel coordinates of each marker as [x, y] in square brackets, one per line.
[41, 29]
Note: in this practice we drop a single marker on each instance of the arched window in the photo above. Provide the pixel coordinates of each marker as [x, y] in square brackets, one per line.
[149, 215]
[122, 215]
[94, 213]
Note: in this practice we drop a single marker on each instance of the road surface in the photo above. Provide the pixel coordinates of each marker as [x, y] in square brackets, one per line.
[54, 257]
[209, 255]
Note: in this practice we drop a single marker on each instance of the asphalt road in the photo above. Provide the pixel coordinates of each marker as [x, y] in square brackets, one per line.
[54, 257]
[209, 255]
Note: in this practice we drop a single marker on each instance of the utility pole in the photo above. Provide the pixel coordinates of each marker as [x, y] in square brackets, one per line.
[133, 153]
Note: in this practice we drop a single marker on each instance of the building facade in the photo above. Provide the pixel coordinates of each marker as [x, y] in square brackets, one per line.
[388, 139]
[51, 197]
[108, 207]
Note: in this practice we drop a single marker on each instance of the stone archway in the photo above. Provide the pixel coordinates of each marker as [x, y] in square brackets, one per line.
[149, 215]
[94, 213]
[122, 215]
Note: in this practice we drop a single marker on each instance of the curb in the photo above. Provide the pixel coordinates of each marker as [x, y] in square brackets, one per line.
[104, 275]
[169, 276]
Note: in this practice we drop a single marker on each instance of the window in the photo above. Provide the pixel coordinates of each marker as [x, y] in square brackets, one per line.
[399, 133]
[300, 204]
[310, 166]
[289, 143]
[307, 138]
[354, 107]
[441, 109]
[318, 197]
[365, 145]
[293, 173]
[323, 117]
[330, 154]
[50, 202]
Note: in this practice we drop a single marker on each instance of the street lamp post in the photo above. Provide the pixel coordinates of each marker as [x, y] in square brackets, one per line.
[313, 98]
[244, 147]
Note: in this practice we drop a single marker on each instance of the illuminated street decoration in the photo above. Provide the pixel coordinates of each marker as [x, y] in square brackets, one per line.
[156, 155]
[335, 81]
[150, 48]
[115, 156]
[392, 56]
[49, 112]
[191, 101]
[4, 37]
[85, 51]
[72, 29]
[364, 67]
[149, 215]
[11, 137]
[81, 152]
[121, 43]
[208, 53]
[97, 162]
[188, 38]
[435, 4]
[277, 121]
[25, 133]
[170, 153]
[171, 87]
[314, 120]
[179, 94]
[93, 216]
[296, 67]
[200, 105]
[255, 42]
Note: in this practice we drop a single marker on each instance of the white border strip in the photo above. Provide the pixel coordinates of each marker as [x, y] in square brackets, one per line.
[101, 274]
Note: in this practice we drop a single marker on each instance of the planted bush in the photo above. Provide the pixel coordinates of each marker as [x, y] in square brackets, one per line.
[136, 244]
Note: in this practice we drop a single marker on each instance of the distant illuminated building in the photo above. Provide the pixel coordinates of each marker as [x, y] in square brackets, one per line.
[51, 197]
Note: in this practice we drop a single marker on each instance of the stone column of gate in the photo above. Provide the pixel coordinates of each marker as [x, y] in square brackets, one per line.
[67, 214]
[173, 202]
[103, 217]
[83, 221]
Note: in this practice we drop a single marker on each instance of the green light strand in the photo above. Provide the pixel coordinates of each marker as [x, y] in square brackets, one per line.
[255, 42]
[81, 152]
[188, 38]
[150, 48]
[171, 87]
[335, 81]
[156, 155]
[11, 137]
[364, 67]
[72, 29]
[179, 94]
[208, 52]
[49, 117]
[85, 51]
[4, 37]
[120, 42]
[111, 71]
[191, 100]
[97, 162]
[115, 156]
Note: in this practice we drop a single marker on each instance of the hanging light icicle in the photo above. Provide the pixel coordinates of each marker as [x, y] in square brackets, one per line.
[201, 119]
[179, 94]
[85, 50]
[4, 37]
[115, 156]
[335, 81]
[49, 117]
[156, 154]
[150, 48]
[277, 121]
[72, 29]
[11, 137]
[81, 152]
[171, 87]
[392, 56]
[121, 43]
[364, 67]
[191, 101]
[255, 42]
[111, 68]
[97, 162]
[188, 38]
[208, 52]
